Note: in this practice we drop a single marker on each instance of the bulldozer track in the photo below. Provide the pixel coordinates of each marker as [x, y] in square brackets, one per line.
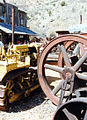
[12, 78]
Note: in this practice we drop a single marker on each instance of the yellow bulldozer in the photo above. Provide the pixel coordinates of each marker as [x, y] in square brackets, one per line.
[18, 72]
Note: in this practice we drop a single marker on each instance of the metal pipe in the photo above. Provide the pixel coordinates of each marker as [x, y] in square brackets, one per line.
[80, 19]
[12, 26]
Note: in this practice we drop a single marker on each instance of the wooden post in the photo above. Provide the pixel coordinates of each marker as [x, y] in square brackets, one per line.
[5, 9]
[5, 17]
[17, 17]
[12, 26]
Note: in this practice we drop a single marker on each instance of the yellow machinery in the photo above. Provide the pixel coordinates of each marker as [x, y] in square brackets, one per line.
[18, 72]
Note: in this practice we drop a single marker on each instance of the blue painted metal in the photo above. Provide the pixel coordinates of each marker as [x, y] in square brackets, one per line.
[17, 29]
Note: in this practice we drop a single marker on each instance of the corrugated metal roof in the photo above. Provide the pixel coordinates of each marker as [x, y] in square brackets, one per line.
[7, 28]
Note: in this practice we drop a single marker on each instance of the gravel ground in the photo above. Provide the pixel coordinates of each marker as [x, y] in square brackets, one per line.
[34, 107]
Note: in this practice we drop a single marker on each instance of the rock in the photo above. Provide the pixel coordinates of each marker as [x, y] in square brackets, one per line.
[48, 16]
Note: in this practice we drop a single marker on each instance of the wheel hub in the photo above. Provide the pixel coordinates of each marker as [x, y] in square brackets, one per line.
[68, 72]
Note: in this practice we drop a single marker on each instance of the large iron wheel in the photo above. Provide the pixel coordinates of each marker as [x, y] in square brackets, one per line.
[75, 109]
[68, 70]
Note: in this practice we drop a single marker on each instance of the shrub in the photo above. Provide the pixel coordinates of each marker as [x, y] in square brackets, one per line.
[50, 13]
[27, 17]
[63, 3]
[54, 4]
[52, 35]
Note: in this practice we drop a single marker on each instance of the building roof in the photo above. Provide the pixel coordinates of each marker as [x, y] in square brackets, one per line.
[21, 10]
[7, 28]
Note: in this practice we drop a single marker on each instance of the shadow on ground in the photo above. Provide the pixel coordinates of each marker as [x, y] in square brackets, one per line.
[35, 99]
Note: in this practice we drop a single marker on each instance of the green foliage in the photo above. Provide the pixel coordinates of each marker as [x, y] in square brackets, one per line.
[50, 13]
[63, 3]
[28, 18]
[54, 4]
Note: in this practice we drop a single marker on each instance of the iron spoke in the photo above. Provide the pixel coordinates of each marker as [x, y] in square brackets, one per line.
[65, 56]
[79, 49]
[69, 115]
[54, 68]
[81, 76]
[58, 87]
[76, 50]
[79, 63]
[82, 50]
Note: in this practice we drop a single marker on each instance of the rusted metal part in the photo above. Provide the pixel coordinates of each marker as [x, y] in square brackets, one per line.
[81, 76]
[69, 76]
[65, 56]
[75, 109]
[70, 73]
[63, 91]
[69, 40]
[60, 59]
[79, 63]
[56, 68]
[58, 87]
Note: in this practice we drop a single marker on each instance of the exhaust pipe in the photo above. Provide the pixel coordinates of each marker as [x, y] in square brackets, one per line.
[12, 26]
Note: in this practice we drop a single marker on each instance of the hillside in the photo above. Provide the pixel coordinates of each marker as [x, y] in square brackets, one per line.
[47, 16]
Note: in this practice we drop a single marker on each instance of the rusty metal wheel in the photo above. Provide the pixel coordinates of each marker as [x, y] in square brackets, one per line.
[73, 49]
[75, 109]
